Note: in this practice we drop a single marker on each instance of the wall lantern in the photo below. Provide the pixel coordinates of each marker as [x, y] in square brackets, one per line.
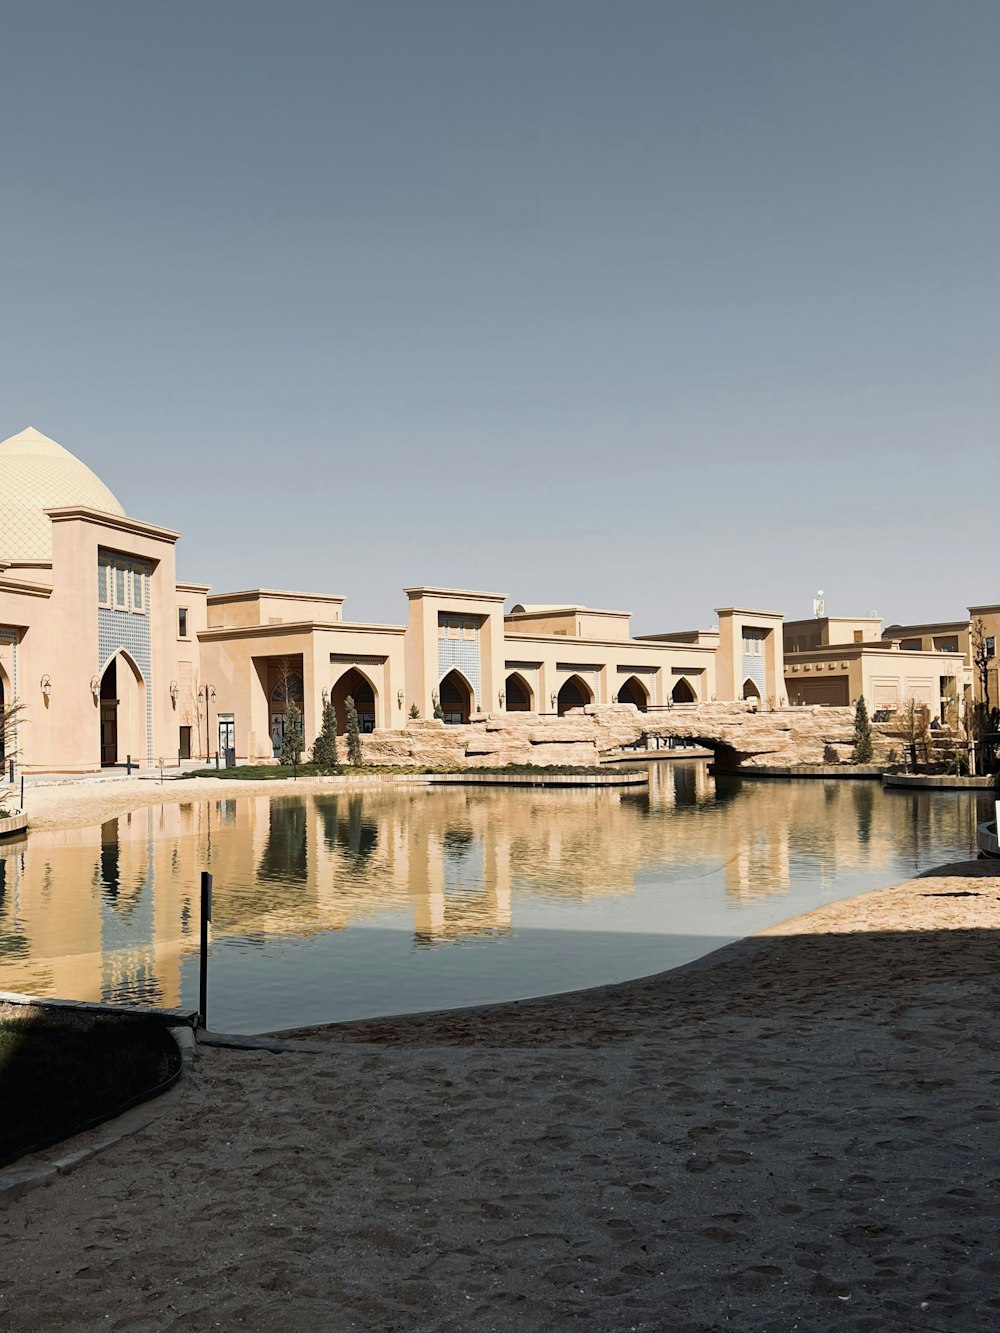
[434, 697]
[325, 693]
[500, 697]
[399, 698]
[553, 699]
[175, 692]
[95, 688]
[46, 684]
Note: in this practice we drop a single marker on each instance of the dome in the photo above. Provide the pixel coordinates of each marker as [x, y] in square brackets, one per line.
[37, 474]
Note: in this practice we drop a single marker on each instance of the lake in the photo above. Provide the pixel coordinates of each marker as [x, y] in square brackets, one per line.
[399, 898]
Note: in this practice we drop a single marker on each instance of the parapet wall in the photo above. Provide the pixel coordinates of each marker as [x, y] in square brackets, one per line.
[784, 737]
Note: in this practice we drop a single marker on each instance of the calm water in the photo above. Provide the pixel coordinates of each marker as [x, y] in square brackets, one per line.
[388, 900]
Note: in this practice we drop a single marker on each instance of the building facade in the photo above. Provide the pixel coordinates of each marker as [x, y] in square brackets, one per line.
[111, 660]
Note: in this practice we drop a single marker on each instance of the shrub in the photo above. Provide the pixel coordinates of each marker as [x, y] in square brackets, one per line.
[293, 739]
[355, 754]
[325, 747]
[863, 749]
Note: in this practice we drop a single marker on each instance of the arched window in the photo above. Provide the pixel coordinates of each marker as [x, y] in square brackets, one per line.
[575, 693]
[517, 693]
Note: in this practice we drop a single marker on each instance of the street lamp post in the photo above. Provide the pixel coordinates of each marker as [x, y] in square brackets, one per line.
[207, 692]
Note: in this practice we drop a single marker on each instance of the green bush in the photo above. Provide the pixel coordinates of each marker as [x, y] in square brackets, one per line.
[863, 750]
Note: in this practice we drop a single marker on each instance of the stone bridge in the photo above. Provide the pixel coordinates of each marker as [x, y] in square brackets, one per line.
[734, 731]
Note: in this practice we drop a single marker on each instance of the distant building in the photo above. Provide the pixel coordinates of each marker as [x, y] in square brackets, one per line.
[833, 660]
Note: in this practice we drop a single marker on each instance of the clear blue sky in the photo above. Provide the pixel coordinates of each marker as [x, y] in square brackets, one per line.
[660, 306]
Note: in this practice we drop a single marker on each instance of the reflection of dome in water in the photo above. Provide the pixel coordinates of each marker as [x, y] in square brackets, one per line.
[37, 474]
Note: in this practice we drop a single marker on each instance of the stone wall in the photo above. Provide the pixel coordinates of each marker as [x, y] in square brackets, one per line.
[787, 736]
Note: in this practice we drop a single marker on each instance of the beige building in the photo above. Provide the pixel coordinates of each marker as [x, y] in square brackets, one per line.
[111, 659]
[955, 636]
[834, 660]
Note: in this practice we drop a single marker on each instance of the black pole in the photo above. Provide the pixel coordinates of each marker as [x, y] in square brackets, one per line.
[22, 790]
[206, 916]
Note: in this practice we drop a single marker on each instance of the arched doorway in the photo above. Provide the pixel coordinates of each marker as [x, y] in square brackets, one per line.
[355, 684]
[122, 705]
[286, 687]
[682, 693]
[517, 693]
[455, 698]
[751, 693]
[635, 693]
[575, 693]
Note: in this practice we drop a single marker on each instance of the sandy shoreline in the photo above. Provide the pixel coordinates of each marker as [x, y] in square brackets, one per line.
[796, 1133]
[801, 1133]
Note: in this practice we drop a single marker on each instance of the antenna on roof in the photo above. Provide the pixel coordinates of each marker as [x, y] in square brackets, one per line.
[819, 606]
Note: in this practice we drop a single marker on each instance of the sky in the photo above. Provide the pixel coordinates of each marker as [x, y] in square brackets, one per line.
[652, 306]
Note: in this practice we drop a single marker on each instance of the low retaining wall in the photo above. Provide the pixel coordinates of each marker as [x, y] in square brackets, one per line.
[938, 781]
[540, 779]
[870, 771]
[986, 837]
[12, 825]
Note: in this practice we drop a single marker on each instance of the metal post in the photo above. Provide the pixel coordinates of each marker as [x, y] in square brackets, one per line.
[128, 765]
[12, 772]
[22, 789]
[206, 917]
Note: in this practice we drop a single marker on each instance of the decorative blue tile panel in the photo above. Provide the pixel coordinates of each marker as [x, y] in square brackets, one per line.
[463, 654]
[128, 630]
[753, 669]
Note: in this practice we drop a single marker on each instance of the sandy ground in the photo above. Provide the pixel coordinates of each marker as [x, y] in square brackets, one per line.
[799, 1133]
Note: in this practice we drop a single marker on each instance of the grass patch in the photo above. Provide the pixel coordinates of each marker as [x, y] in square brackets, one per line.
[276, 772]
[58, 1077]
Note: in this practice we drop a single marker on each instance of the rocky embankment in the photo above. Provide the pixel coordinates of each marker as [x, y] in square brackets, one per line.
[786, 736]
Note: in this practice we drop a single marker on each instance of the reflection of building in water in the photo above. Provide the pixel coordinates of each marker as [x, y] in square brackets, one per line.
[111, 912]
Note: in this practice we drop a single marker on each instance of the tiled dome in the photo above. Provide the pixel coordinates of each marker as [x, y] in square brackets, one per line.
[37, 474]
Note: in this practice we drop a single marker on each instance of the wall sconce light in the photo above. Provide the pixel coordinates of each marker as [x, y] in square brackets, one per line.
[500, 697]
[325, 695]
[434, 697]
[553, 699]
[175, 692]
[95, 688]
[46, 684]
[399, 698]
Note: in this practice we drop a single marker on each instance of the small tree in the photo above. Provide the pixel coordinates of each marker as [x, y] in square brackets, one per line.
[8, 736]
[325, 746]
[355, 754]
[863, 748]
[414, 712]
[294, 738]
[914, 718]
[982, 650]
[438, 710]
